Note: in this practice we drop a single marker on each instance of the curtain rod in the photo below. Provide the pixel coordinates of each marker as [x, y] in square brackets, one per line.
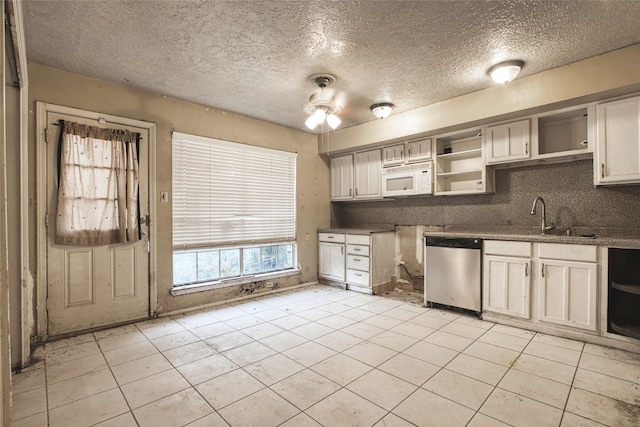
[100, 120]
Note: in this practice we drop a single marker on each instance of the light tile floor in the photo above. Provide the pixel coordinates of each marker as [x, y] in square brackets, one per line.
[320, 356]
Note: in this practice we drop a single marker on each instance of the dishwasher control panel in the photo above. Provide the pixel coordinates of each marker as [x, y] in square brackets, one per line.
[446, 242]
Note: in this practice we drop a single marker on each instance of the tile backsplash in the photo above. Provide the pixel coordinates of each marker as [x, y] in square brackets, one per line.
[572, 202]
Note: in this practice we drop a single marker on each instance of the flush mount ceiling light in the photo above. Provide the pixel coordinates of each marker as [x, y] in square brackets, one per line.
[505, 72]
[321, 105]
[382, 109]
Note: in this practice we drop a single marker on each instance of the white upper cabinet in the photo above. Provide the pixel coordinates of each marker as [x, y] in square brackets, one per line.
[342, 177]
[419, 151]
[617, 159]
[393, 155]
[356, 176]
[550, 137]
[508, 142]
[368, 177]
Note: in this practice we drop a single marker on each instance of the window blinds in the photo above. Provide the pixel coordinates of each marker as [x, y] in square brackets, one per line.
[226, 193]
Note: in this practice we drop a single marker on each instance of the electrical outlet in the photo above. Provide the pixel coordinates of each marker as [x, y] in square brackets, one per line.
[306, 237]
[164, 196]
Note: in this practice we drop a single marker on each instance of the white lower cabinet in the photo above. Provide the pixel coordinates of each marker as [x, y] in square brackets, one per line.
[509, 285]
[360, 261]
[567, 288]
[565, 283]
[331, 256]
[507, 278]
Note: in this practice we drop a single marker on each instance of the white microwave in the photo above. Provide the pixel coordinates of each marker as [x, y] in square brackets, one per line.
[408, 180]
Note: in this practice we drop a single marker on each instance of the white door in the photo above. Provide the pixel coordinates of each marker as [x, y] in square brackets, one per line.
[342, 177]
[568, 293]
[393, 155]
[508, 142]
[93, 286]
[332, 261]
[418, 151]
[507, 284]
[368, 179]
[618, 148]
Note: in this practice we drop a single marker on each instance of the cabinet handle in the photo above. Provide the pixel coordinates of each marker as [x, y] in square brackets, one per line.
[356, 259]
[350, 190]
[330, 237]
[409, 152]
[543, 270]
[526, 269]
[356, 191]
[342, 250]
[526, 148]
[358, 274]
[401, 153]
[602, 170]
[357, 249]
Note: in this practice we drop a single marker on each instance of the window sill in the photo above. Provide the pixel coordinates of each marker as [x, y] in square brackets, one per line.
[208, 286]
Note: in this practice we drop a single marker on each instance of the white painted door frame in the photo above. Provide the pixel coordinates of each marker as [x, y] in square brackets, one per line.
[41, 165]
[26, 279]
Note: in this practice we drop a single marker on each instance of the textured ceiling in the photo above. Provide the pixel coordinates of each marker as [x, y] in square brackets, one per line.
[254, 57]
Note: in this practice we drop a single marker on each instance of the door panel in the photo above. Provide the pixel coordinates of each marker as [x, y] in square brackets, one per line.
[78, 277]
[89, 287]
[123, 276]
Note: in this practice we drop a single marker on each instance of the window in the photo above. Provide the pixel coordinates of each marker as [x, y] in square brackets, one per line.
[234, 210]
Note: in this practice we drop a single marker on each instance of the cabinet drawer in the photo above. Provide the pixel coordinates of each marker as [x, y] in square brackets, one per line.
[568, 252]
[331, 237]
[507, 248]
[358, 262]
[358, 277]
[358, 250]
[358, 239]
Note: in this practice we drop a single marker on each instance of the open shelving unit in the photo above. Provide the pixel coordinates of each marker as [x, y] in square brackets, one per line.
[564, 132]
[460, 167]
[624, 292]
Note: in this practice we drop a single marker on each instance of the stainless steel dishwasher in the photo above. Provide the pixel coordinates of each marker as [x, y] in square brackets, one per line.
[453, 272]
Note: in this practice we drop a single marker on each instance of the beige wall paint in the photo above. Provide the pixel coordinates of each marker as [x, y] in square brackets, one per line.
[611, 74]
[73, 90]
[12, 123]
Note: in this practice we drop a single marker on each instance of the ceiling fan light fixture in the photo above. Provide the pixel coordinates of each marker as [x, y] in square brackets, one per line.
[506, 71]
[333, 120]
[321, 105]
[382, 109]
[319, 115]
[311, 122]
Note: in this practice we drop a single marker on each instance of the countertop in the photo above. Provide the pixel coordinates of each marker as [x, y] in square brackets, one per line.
[614, 242]
[354, 230]
[516, 235]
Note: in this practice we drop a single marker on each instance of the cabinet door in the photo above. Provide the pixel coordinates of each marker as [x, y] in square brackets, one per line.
[618, 143]
[507, 285]
[393, 155]
[568, 293]
[331, 261]
[342, 177]
[368, 170]
[508, 142]
[418, 151]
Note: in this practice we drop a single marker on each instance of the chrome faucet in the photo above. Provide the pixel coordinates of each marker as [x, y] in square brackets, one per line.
[544, 226]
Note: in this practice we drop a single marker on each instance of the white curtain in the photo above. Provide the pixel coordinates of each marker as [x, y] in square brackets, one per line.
[98, 186]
